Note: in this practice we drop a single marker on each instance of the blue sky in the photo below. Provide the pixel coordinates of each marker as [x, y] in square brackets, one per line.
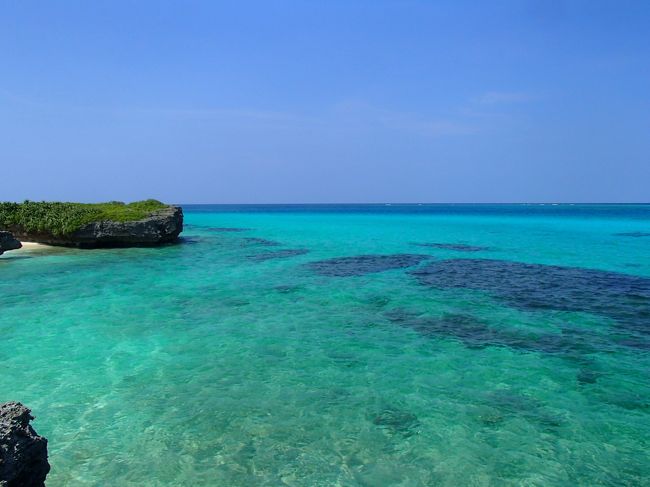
[325, 101]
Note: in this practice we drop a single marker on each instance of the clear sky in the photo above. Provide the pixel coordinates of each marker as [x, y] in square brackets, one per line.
[325, 101]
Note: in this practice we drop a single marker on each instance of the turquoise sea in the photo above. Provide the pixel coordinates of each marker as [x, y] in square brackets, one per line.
[342, 345]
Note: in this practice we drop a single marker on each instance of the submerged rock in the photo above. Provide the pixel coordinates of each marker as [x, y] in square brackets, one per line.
[224, 229]
[261, 241]
[278, 254]
[360, 265]
[23, 453]
[452, 246]
[533, 287]
[632, 234]
[8, 242]
[473, 332]
[161, 226]
[396, 421]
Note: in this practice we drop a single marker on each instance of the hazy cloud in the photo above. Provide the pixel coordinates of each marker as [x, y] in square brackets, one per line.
[369, 115]
[498, 97]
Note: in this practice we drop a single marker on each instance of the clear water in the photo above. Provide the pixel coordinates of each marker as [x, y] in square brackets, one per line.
[207, 363]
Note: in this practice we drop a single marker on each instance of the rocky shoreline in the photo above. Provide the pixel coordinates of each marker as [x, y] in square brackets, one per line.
[8, 242]
[23, 453]
[160, 227]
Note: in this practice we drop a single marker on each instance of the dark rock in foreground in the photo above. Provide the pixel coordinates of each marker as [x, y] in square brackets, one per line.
[23, 454]
[8, 242]
[161, 226]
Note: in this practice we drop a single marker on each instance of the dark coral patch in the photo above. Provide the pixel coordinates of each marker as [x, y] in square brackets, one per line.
[227, 229]
[360, 265]
[378, 301]
[621, 297]
[190, 240]
[260, 241]
[586, 376]
[396, 421]
[471, 331]
[569, 344]
[190, 226]
[286, 289]
[508, 405]
[452, 246]
[632, 234]
[574, 346]
[278, 254]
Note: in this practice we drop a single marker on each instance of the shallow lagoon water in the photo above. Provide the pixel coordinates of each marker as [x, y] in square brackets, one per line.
[223, 361]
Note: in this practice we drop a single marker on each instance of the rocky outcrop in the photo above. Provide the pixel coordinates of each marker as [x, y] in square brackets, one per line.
[8, 242]
[162, 226]
[23, 453]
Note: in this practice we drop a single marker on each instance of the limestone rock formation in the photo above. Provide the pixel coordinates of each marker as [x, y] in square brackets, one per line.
[162, 226]
[23, 453]
[8, 242]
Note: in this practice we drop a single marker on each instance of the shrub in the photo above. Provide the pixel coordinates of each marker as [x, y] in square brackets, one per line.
[64, 218]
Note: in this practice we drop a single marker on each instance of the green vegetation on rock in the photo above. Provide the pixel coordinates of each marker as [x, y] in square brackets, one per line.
[65, 218]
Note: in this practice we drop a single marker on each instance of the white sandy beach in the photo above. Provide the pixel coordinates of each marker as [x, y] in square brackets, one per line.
[28, 248]
[33, 245]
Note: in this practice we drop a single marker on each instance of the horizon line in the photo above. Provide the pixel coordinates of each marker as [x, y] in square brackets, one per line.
[388, 203]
